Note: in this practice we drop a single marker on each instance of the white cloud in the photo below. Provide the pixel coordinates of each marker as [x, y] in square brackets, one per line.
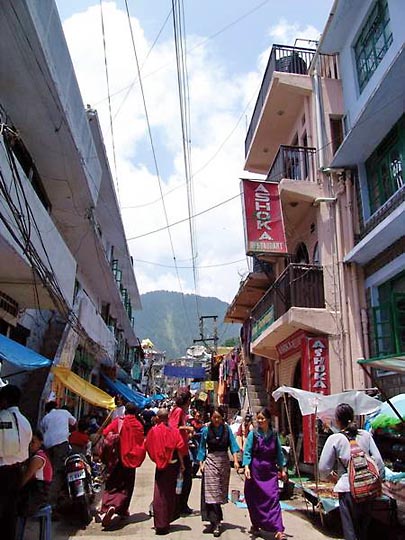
[217, 99]
[285, 33]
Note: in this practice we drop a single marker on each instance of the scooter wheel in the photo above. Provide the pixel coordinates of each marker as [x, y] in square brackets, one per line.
[83, 510]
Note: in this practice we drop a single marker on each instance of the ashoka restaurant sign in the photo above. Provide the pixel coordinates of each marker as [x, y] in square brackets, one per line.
[263, 218]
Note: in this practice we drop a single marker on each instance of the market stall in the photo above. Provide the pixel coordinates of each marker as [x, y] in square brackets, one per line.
[320, 494]
[389, 432]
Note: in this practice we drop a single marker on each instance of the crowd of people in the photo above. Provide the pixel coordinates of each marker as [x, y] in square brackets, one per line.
[175, 438]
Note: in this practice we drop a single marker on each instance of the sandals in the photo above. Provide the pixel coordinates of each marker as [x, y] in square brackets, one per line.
[280, 535]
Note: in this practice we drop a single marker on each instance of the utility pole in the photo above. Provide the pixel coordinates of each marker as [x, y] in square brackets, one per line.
[203, 338]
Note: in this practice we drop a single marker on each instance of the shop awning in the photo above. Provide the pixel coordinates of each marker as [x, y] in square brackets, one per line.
[118, 387]
[392, 362]
[325, 405]
[84, 389]
[21, 356]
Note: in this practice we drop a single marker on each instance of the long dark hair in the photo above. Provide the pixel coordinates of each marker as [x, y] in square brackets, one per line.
[345, 415]
[266, 413]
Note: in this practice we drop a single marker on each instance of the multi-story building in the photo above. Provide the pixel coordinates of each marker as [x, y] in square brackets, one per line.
[369, 38]
[67, 285]
[297, 305]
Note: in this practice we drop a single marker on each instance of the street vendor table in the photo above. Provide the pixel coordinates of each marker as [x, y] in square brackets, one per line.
[325, 500]
[396, 491]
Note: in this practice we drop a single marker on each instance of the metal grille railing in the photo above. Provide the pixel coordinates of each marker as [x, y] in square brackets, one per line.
[295, 163]
[300, 285]
[288, 60]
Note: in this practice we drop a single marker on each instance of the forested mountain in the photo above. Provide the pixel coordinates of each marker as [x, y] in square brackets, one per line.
[170, 320]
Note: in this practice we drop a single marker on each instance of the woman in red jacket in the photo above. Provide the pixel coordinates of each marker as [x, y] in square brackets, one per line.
[121, 480]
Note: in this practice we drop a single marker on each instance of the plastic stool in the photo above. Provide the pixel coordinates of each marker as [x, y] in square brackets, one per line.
[44, 515]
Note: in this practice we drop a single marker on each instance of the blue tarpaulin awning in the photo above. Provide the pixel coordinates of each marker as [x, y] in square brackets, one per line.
[21, 356]
[118, 387]
[184, 372]
[158, 397]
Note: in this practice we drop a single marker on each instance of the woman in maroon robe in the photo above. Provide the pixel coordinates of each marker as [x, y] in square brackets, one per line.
[262, 460]
[120, 482]
[165, 447]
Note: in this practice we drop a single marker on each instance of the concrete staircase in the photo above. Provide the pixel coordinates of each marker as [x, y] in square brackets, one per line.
[258, 397]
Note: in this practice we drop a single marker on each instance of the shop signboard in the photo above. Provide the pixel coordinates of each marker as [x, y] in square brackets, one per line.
[208, 385]
[291, 345]
[263, 218]
[262, 323]
[315, 378]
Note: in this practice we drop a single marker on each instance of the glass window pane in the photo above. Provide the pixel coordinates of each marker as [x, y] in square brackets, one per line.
[373, 42]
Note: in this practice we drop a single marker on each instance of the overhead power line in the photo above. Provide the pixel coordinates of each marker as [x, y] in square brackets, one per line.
[189, 267]
[109, 100]
[185, 118]
[155, 161]
[185, 219]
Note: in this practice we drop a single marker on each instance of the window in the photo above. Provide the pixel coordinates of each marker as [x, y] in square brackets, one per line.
[385, 167]
[316, 256]
[389, 318]
[336, 130]
[25, 160]
[374, 41]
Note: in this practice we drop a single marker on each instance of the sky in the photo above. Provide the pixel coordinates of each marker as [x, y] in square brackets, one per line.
[227, 44]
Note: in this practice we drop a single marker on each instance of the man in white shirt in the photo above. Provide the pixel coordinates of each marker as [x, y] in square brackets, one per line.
[16, 433]
[56, 426]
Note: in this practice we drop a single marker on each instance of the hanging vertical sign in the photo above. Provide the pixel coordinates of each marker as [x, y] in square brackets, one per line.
[263, 218]
[315, 378]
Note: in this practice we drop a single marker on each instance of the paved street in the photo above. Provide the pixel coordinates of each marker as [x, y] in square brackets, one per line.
[298, 522]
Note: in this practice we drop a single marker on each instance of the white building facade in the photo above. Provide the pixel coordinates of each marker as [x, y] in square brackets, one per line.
[67, 285]
[369, 37]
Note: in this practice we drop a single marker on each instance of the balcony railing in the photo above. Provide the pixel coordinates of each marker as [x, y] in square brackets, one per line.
[387, 327]
[379, 215]
[295, 163]
[288, 60]
[300, 285]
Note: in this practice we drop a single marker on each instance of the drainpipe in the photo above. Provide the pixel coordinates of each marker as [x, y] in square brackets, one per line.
[347, 370]
[319, 116]
[314, 73]
[364, 326]
[358, 338]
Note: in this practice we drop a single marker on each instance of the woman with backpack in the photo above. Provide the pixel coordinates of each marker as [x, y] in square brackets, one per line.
[335, 465]
[263, 459]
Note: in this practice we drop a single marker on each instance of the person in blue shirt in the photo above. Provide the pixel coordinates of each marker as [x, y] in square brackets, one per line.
[216, 439]
[263, 458]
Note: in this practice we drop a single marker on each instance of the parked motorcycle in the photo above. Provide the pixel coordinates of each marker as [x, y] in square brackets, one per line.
[80, 486]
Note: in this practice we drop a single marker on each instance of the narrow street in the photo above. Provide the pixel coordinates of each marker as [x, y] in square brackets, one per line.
[300, 525]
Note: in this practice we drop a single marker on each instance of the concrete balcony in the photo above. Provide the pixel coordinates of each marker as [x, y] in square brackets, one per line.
[294, 301]
[31, 225]
[281, 97]
[383, 229]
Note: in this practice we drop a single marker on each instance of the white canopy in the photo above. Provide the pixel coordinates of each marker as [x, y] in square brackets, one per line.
[324, 406]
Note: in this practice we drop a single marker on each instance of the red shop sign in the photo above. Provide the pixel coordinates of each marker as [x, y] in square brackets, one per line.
[263, 218]
[315, 378]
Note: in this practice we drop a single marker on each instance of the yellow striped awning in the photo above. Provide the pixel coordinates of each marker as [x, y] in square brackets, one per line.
[82, 388]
